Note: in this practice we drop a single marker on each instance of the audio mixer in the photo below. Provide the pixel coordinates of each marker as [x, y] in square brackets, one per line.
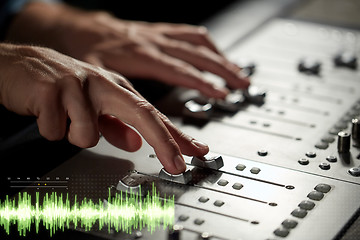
[284, 159]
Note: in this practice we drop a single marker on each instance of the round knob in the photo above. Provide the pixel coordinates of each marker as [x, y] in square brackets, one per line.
[175, 232]
[355, 132]
[343, 142]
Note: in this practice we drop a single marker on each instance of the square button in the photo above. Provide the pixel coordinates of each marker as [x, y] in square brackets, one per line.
[203, 199]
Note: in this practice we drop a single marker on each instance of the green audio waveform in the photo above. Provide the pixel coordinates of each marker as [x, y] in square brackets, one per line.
[121, 212]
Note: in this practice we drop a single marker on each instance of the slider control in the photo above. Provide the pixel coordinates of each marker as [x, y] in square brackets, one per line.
[183, 178]
[197, 110]
[215, 162]
[129, 183]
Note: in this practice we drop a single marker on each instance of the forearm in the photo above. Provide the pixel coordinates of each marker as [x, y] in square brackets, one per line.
[40, 23]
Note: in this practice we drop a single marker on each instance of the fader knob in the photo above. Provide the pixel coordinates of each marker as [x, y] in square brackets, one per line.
[346, 59]
[343, 142]
[309, 66]
[175, 232]
[355, 132]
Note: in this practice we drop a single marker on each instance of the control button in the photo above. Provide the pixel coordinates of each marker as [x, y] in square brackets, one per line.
[322, 187]
[281, 232]
[262, 153]
[183, 217]
[331, 158]
[324, 166]
[183, 178]
[218, 203]
[175, 232]
[355, 131]
[309, 67]
[315, 195]
[197, 110]
[322, 145]
[215, 162]
[311, 154]
[255, 170]
[343, 142]
[222, 182]
[199, 221]
[289, 223]
[204, 236]
[237, 186]
[346, 59]
[307, 205]
[299, 213]
[303, 161]
[355, 171]
[203, 199]
[240, 167]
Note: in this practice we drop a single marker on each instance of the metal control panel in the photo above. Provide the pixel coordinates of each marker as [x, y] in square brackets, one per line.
[285, 156]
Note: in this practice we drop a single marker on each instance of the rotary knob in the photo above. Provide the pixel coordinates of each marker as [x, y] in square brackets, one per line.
[175, 232]
[343, 142]
[355, 131]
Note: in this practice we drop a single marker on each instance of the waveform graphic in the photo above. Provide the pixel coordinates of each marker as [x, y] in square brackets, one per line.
[123, 212]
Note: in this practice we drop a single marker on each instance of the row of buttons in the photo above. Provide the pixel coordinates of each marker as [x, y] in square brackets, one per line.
[223, 183]
[304, 207]
[241, 167]
[323, 165]
[217, 203]
[354, 171]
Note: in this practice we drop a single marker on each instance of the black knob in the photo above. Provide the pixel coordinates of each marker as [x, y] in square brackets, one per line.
[175, 232]
[355, 131]
[346, 59]
[309, 67]
[343, 142]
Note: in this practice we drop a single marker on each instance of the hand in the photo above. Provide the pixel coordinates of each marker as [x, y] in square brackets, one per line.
[172, 53]
[54, 88]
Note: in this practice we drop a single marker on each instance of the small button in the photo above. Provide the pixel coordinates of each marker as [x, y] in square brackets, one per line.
[355, 171]
[328, 139]
[331, 158]
[322, 187]
[183, 217]
[204, 236]
[322, 145]
[315, 195]
[262, 153]
[311, 154]
[324, 166]
[237, 186]
[199, 221]
[299, 213]
[289, 223]
[281, 232]
[240, 167]
[303, 161]
[255, 170]
[218, 203]
[307, 205]
[222, 182]
[203, 199]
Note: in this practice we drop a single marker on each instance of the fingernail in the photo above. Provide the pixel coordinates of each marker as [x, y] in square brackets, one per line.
[199, 144]
[179, 163]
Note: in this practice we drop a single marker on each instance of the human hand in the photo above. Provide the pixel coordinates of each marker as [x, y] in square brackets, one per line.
[54, 88]
[172, 53]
